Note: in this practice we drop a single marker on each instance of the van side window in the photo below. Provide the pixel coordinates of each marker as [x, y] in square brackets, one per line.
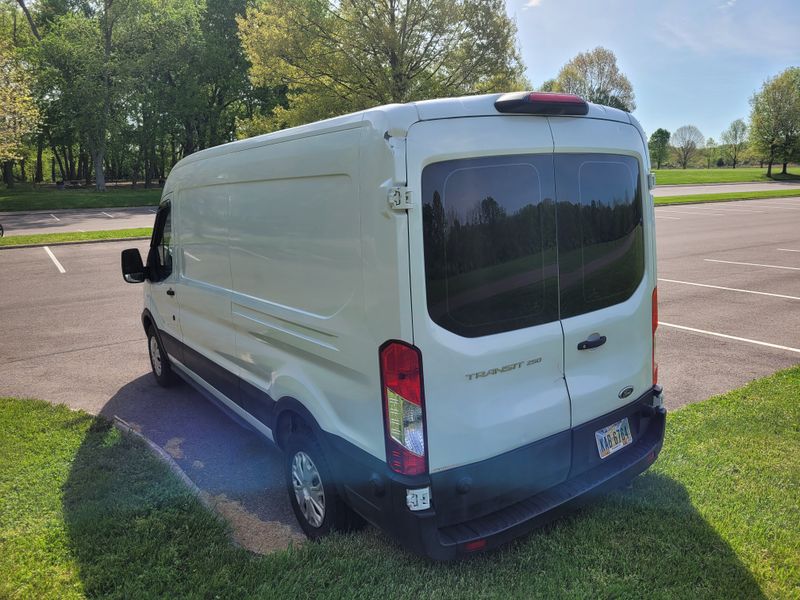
[489, 236]
[600, 230]
[159, 259]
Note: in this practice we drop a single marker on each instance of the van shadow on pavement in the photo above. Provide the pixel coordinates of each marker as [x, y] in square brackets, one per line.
[645, 542]
[226, 460]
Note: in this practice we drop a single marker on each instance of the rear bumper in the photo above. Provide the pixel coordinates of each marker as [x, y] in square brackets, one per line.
[488, 516]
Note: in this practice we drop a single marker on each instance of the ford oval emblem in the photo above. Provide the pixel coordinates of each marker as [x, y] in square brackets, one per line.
[625, 392]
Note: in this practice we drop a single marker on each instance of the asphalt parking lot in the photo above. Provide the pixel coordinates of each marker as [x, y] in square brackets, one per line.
[729, 291]
[59, 221]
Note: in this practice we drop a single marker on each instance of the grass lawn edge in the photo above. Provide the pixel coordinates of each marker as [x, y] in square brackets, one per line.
[76, 237]
[726, 197]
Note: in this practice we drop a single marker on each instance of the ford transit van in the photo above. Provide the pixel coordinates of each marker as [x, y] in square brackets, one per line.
[442, 312]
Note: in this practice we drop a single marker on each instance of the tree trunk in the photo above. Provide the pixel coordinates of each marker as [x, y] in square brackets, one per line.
[188, 142]
[38, 175]
[60, 164]
[100, 176]
[24, 176]
[53, 169]
[769, 168]
[70, 158]
[8, 173]
[784, 168]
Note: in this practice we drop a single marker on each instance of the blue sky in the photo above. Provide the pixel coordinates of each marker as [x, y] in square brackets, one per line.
[690, 61]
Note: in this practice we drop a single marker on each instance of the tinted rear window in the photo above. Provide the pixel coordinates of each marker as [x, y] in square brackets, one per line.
[600, 230]
[495, 260]
[490, 243]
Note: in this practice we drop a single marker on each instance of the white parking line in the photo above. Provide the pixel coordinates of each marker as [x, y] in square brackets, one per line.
[192, 256]
[730, 337]
[732, 262]
[55, 260]
[727, 289]
[152, 211]
[55, 217]
[666, 217]
[108, 215]
[788, 250]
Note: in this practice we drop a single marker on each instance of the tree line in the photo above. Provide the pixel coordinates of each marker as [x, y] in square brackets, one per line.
[771, 135]
[122, 89]
[97, 90]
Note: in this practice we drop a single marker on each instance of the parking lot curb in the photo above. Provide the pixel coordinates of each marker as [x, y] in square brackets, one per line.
[161, 454]
[104, 240]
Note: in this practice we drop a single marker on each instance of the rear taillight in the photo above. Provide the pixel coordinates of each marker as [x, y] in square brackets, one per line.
[655, 326]
[541, 103]
[403, 407]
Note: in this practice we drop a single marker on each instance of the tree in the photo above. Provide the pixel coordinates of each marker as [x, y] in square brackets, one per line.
[711, 152]
[734, 140]
[18, 112]
[686, 141]
[595, 76]
[775, 118]
[659, 146]
[336, 57]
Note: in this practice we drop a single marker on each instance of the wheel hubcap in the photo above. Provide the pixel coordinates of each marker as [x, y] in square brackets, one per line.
[308, 490]
[155, 355]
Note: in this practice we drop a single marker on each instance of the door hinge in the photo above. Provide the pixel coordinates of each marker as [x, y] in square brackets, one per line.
[400, 198]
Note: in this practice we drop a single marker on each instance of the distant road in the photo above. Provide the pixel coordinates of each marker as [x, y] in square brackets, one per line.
[87, 219]
[723, 188]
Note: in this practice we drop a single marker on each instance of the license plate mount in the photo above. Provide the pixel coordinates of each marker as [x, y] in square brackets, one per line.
[614, 437]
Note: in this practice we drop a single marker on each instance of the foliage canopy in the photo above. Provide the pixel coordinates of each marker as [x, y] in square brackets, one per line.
[338, 57]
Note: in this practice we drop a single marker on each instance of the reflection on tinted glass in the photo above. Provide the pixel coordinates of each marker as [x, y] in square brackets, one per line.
[600, 237]
[489, 242]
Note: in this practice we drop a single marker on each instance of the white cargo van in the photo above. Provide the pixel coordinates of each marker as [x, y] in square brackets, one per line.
[442, 312]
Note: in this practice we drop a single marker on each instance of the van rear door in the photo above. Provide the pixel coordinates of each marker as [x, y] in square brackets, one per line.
[484, 277]
[606, 263]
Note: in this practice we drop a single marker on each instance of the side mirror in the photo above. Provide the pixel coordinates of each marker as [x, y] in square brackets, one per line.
[132, 267]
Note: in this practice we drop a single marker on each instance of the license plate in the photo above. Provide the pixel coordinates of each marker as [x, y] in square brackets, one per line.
[613, 438]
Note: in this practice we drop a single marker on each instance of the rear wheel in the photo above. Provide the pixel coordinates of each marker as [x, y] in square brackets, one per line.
[159, 362]
[316, 503]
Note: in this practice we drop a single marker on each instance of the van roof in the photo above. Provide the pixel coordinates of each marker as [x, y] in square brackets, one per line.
[394, 119]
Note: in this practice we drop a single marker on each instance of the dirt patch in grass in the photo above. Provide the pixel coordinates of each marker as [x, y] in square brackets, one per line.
[250, 532]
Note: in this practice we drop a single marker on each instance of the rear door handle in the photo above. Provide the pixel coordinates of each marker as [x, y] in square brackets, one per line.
[593, 341]
[171, 292]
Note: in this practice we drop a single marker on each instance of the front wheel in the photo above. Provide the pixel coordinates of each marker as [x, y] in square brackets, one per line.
[316, 503]
[159, 362]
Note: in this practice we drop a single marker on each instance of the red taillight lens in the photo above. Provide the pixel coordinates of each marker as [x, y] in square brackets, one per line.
[403, 407]
[541, 103]
[655, 326]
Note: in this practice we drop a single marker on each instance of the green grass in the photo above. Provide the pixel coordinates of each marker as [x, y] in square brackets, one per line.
[75, 236]
[726, 197]
[23, 198]
[689, 176]
[86, 511]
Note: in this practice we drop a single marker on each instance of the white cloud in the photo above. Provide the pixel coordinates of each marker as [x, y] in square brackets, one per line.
[746, 32]
[532, 4]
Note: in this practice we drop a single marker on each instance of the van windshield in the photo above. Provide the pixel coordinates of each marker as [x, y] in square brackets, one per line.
[497, 239]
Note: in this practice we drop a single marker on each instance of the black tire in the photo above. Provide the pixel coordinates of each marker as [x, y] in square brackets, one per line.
[337, 516]
[159, 362]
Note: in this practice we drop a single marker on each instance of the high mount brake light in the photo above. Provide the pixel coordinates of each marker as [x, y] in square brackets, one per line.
[403, 407]
[541, 103]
